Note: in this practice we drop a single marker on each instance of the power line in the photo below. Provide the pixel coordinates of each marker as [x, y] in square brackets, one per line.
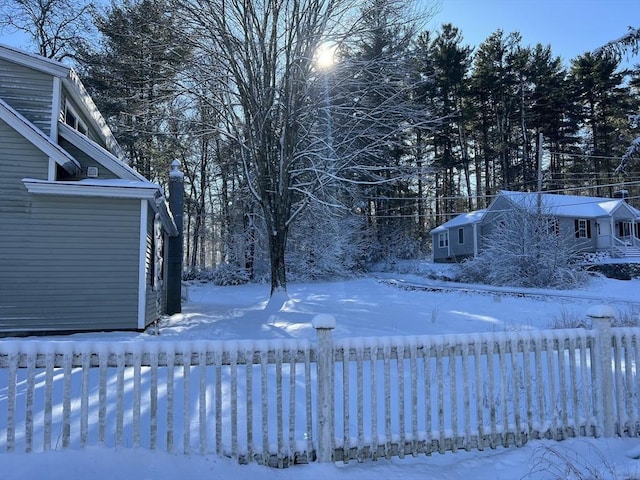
[584, 155]
[491, 196]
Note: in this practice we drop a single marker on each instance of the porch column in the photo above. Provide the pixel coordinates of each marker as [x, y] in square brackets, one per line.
[175, 244]
[475, 240]
[613, 233]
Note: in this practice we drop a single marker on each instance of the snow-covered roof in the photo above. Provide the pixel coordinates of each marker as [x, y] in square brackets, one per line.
[462, 219]
[560, 205]
[568, 205]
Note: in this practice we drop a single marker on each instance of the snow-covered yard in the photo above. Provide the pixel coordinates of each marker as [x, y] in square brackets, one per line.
[384, 305]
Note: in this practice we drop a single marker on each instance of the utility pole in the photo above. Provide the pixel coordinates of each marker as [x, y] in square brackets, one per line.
[540, 138]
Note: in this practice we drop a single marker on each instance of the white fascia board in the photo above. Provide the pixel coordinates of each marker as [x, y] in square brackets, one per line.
[37, 138]
[99, 154]
[634, 213]
[108, 189]
[34, 61]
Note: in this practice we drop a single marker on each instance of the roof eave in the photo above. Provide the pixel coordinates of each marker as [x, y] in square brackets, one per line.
[75, 188]
[37, 62]
[99, 154]
[38, 139]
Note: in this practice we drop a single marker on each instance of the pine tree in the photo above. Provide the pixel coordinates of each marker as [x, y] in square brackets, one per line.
[604, 103]
[132, 75]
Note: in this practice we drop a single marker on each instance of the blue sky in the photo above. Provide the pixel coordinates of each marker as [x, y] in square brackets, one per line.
[571, 27]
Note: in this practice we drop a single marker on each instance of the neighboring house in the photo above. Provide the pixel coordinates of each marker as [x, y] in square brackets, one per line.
[595, 224]
[81, 233]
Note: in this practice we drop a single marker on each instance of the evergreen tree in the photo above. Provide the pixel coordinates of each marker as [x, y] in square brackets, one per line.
[445, 62]
[375, 118]
[604, 103]
[552, 111]
[132, 77]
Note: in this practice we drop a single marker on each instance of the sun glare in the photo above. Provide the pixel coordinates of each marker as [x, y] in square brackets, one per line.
[325, 55]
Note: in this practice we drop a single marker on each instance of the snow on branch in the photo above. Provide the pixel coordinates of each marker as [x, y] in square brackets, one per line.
[632, 152]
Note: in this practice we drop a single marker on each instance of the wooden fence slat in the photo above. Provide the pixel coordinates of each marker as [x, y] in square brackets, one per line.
[202, 401]
[11, 404]
[29, 407]
[137, 397]
[119, 399]
[401, 403]
[186, 401]
[153, 402]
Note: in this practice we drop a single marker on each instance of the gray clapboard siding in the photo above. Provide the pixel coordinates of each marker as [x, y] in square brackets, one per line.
[18, 159]
[86, 160]
[83, 275]
[28, 91]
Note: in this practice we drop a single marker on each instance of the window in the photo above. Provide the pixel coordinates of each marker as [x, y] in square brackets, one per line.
[72, 119]
[461, 236]
[553, 226]
[443, 239]
[625, 229]
[583, 228]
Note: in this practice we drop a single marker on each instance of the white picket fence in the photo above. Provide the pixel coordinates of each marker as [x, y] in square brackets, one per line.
[283, 402]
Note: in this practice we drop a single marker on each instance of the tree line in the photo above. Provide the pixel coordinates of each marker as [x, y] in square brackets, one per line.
[304, 169]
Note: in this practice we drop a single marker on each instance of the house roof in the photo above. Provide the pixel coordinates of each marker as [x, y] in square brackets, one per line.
[73, 86]
[129, 179]
[99, 154]
[569, 205]
[560, 205]
[130, 184]
[463, 219]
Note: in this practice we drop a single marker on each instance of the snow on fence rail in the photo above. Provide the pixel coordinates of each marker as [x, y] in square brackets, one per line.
[282, 402]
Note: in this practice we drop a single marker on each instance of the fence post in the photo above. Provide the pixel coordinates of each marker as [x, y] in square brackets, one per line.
[601, 317]
[325, 364]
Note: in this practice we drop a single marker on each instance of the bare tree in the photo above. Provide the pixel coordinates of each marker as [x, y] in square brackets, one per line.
[56, 27]
[278, 97]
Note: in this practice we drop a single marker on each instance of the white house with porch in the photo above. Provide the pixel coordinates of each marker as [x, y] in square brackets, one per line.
[597, 224]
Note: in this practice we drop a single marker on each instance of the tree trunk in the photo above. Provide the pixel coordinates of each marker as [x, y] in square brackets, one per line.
[277, 247]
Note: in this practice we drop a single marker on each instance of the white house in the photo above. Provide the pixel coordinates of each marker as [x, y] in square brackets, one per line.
[597, 224]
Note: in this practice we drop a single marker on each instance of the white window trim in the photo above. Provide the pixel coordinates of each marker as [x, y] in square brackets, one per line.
[461, 229]
[582, 228]
[78, 125]
[443, 239]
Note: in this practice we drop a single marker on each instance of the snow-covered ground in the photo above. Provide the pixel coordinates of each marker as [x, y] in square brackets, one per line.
[382, 305]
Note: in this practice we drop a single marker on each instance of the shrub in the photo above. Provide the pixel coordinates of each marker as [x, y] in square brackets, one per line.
[526, 250]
